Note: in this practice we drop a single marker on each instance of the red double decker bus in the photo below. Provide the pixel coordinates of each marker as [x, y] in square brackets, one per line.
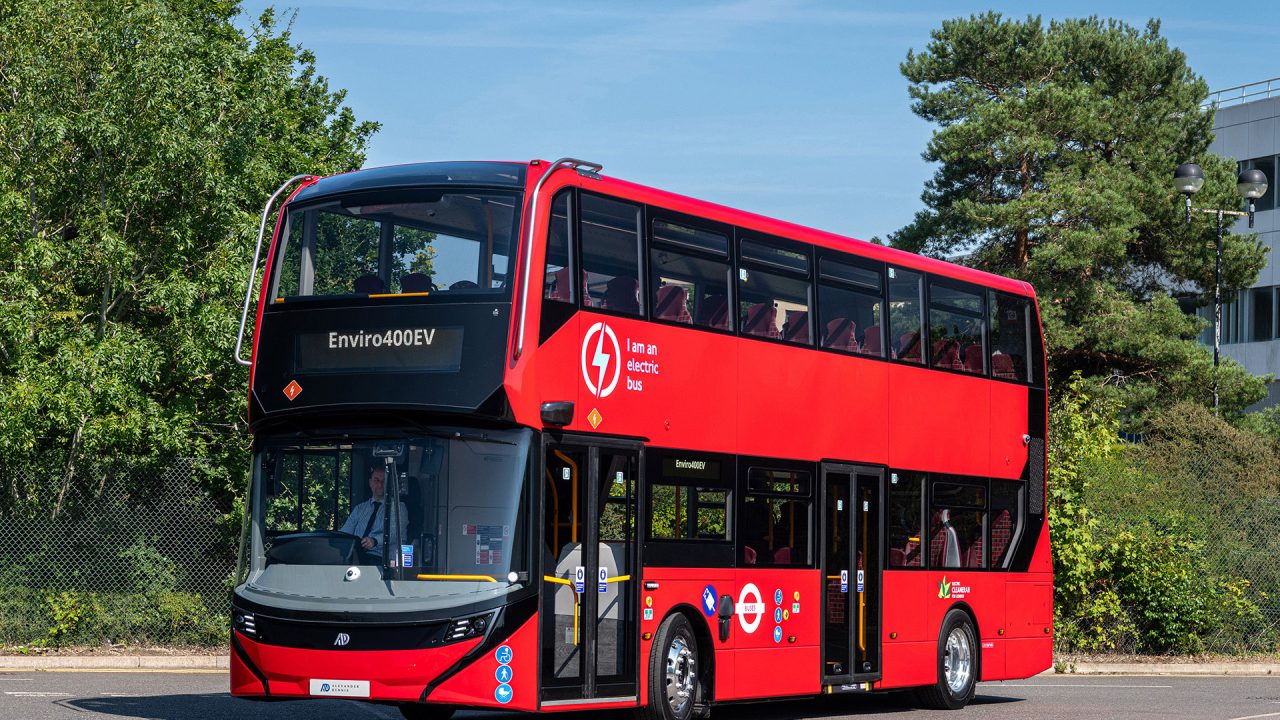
[533, 438]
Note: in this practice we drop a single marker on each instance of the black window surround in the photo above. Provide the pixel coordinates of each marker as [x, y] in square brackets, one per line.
[931, 502]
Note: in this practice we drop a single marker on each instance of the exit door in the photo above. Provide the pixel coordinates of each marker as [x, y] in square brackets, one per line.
[851, 563]
[589, 634]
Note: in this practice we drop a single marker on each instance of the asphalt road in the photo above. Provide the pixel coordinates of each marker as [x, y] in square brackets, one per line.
[181, 696]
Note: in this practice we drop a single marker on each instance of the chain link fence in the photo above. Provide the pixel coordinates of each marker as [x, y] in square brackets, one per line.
[139, 558]
[1189, 559]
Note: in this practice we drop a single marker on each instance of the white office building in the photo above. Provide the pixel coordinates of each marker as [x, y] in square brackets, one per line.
[1247, 128]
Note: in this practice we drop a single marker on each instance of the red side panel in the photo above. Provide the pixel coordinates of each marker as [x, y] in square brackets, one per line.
[940, 421]
[392, 674]
[1008, 452]
[477, 684]
[777, 647]
[684, 588]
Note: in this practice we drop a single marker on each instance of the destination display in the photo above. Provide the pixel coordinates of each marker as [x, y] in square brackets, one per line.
[426, 349]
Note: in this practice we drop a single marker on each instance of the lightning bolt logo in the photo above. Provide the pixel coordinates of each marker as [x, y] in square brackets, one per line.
[601, 361]
[598, 345]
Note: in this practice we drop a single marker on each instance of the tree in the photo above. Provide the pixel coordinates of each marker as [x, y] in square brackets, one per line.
[138, 141]
[1056, 145]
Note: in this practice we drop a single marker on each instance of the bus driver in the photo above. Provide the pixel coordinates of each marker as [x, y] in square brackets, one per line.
[368, 518]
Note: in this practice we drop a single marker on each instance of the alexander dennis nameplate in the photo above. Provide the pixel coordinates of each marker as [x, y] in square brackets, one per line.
[340, 688]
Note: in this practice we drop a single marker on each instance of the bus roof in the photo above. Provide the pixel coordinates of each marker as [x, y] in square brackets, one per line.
[513, 175]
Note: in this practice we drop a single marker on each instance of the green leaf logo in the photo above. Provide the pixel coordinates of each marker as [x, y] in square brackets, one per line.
[944, 588]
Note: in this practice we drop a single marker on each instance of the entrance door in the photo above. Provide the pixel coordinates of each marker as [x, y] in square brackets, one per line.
[589, 629]
[851, 522]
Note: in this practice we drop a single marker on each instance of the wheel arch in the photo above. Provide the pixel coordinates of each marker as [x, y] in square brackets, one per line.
[977, 632]
[706, 644]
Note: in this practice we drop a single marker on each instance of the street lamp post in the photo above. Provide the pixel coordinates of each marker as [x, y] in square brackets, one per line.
[1252, 184]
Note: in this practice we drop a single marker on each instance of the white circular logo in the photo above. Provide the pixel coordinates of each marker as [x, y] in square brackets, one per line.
[596, 359]
[753, 609]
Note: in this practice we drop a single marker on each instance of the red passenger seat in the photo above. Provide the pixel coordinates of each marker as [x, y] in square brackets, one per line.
[796, 327]
[973, 556]
[973, 358]
[841, 334]
[369, 285]
[1002, 366]
[909, 346]
[713, 312]
[1001, 534]
[871, 342]
[622, 294]
[672, 304]
[760, 320]
[946, 354]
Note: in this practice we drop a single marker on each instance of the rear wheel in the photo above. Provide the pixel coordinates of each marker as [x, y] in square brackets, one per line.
[957, 665]
[674, 689]
[424, 711]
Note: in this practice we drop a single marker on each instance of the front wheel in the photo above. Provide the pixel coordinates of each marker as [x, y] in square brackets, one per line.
[957, 665]
[425, 711]
[674, 689]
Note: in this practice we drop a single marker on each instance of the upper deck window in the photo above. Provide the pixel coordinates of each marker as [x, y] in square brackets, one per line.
[401, 242]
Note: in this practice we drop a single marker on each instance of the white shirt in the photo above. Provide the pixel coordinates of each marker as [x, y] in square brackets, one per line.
[359, 520]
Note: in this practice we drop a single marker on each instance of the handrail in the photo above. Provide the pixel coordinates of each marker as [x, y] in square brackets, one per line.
[1262, 88]
[253, 269]
[576, 164]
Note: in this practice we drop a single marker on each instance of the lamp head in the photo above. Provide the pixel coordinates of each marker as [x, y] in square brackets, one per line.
[1188, 179]
[1252, 183]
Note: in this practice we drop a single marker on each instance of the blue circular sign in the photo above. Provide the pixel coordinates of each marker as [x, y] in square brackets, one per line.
[777, 634]
[503, 693]
[503, 655]
[777, 615]
[709, 601]
[324, 687]
[503, 674]
[777, 596]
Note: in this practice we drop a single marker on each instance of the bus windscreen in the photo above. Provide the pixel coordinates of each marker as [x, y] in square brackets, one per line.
[406, 242]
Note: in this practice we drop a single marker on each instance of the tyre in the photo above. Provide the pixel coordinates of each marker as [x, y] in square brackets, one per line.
[426, 711]
[957, 665]
[674, 688]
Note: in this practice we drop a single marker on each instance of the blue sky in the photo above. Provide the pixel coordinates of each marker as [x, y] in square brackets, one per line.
[793, 109]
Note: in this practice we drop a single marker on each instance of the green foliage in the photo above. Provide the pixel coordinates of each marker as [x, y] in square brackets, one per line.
[138, 142]
[1150, 540]
[1082, 430]
[1055, 146]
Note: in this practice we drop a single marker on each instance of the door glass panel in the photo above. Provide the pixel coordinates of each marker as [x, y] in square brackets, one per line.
[562, 554]
[866, 577]
[619, 470]
[836, 567]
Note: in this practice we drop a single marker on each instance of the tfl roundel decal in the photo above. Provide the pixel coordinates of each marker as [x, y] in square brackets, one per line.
[601, 360]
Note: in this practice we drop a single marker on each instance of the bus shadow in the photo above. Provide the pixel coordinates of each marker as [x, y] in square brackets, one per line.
[216, 706]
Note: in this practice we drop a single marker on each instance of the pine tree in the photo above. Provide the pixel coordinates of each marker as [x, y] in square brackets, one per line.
[1056, 145]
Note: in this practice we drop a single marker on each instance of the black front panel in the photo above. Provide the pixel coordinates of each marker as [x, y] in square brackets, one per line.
[390, 354]
[349, 636]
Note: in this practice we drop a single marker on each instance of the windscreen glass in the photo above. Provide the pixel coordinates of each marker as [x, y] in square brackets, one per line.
[402, 242]
[459, 516]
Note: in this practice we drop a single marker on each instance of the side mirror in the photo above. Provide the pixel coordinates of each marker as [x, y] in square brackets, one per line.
[725, 616]
[726, 608]
[558, 413]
